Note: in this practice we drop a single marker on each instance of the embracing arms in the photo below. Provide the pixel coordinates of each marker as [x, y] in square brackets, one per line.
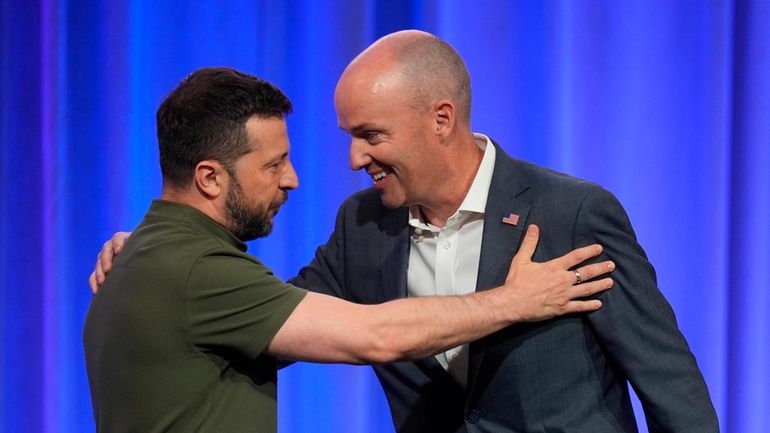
[326, 329]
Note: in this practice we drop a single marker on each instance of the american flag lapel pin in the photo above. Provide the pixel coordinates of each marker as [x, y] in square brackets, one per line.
[512, 219]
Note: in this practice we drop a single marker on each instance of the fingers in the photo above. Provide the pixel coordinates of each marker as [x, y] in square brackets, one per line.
[528, 245]
[110, 249]
[119, 241]
[590, 288]
[92, 283]
[582, 306]
[575, 305]
[592, 271]
[578, 256]
[96, 279]
[104, 264]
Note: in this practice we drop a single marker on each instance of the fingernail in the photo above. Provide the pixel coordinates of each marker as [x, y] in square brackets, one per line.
[611, 266]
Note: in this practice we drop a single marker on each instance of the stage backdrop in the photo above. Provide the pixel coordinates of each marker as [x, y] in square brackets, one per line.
[665, 103]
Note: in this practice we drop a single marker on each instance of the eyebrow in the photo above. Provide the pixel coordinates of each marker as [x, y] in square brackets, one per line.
[364, 127]
[277, 159]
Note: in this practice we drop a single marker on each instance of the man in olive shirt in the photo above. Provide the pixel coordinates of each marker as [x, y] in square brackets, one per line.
[184, 333]
[181, 326]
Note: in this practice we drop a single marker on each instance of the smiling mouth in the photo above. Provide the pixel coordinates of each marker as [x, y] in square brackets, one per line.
[376, 177]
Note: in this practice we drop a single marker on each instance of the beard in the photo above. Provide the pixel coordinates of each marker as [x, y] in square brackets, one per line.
[247, 222]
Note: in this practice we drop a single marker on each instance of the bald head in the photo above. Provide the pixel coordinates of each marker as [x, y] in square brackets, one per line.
[424, 67]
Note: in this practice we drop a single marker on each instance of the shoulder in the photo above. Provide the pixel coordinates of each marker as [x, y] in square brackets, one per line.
[547, 178]
[221, 271]
[368, 199]
[170, 241]
[546, 188]
[174, 247]
[542, 180]
[365, 208]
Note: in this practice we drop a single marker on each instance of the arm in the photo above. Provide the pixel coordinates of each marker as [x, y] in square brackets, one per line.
[637, 328]
[326, 329]
[322, 328]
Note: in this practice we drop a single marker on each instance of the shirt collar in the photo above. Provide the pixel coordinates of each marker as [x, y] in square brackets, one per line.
[195, 219]
[476, 198]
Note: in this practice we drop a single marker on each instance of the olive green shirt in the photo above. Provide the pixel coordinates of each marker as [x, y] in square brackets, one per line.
[174, 339]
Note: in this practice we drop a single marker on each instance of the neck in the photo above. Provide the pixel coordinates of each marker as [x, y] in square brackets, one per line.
[191, 197]
[451, 191]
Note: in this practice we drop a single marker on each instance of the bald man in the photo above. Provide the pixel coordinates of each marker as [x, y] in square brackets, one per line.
[447, 211]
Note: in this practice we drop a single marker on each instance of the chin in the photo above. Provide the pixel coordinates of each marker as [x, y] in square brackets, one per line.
[392, 202]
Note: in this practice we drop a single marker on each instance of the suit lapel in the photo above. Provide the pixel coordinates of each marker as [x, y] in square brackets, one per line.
[499, 243]
[500, 240]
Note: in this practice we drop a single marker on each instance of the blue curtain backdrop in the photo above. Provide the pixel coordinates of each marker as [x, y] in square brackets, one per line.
[665, 103]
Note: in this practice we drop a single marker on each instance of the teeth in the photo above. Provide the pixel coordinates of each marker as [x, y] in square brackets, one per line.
[379, 176]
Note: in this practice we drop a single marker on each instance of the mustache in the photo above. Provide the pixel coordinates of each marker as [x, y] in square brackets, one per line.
[281, 200]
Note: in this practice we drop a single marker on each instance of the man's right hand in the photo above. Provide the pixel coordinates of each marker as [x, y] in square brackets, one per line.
[539, 291]
[104, 261]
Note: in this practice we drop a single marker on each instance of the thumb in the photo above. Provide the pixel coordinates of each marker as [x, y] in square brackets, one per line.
[528, 245]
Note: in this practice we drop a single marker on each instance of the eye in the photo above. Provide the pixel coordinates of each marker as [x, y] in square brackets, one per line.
[372, 137]
[275, 166]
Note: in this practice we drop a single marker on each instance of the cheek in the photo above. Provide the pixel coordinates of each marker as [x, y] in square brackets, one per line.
[421, 160]
[261, 191]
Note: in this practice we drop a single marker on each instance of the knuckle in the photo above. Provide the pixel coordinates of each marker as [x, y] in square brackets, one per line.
[579, 256]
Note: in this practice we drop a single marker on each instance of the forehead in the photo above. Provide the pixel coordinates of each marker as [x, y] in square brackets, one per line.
[369, 99]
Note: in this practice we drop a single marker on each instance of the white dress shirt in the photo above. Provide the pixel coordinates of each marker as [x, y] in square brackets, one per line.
[444, 261]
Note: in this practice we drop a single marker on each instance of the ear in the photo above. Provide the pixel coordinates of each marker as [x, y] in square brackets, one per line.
[444, 117]
[210, 178]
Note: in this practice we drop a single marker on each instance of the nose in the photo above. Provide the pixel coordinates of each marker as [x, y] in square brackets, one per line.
[289, 180]
[359, 156]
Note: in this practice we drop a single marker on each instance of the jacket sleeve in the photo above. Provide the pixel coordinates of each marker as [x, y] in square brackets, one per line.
[637, 328]
[325, 273]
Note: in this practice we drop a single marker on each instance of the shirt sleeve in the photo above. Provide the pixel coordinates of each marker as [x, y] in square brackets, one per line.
[234, 302]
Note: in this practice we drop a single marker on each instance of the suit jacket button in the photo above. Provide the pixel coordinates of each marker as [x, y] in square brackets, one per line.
[472, 417]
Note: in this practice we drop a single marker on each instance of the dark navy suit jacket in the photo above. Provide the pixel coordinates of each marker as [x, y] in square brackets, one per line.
[568, 374]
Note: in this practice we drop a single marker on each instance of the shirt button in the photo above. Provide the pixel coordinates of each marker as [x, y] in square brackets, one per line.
[447, 245]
